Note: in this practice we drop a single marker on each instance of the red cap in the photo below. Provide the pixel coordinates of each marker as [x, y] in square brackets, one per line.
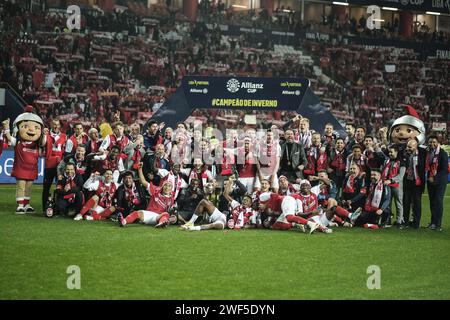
[412, 112]
[28, 108]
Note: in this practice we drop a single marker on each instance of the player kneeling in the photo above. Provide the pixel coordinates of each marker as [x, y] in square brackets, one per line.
[101, 203]
[161, 202]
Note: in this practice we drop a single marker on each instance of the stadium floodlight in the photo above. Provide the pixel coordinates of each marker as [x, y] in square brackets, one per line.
[239, 6]
[339, 3]
[433, 13]
[390, 8]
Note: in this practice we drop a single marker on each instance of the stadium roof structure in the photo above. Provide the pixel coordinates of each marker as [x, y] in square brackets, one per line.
[245, 93]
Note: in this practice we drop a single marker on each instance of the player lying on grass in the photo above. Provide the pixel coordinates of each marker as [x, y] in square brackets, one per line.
[101, 203]
[161, 202]
[285, 209]
[324, 217]
[206, 209]
[242, 215]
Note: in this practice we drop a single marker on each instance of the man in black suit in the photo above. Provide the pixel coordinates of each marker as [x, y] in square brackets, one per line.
[436, 170]
[293, 159]
[414, 182]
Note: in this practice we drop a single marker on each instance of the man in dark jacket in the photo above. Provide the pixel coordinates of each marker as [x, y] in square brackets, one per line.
[293, 159]
[413, 183]
[188, 200]
[69, 191]
[376, 209]
[436, 170]
[130, 196]
[238, 190]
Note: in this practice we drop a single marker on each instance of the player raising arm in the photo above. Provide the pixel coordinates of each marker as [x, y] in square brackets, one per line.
[161, 202]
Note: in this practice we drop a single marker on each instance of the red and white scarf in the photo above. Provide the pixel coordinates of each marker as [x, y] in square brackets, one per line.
[373, 201]
[431, 168]
[130, 196]
[136, 158]
[322, 161]
[415, 163]
[106, 193]
[305, 139]
[312, 155]
[338, 161]
[350, 184]
[390, 170]
[201, 176]
[176, 187]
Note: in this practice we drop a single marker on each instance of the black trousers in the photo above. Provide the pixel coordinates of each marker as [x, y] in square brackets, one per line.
[339, 180]
[49, 178]
[412, 196]
[436, 194]
[63, 205]
[372, 217]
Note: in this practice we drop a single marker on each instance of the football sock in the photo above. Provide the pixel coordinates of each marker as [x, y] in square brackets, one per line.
[342, 212]
[87, 206]
[132, 217]
[281, 226]
[371, 226]
[338, 220]
[164, 218]
[296, 219]
[105, 214]
[193, 218]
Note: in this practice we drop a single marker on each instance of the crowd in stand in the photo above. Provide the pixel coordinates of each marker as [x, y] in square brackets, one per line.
[98, 71]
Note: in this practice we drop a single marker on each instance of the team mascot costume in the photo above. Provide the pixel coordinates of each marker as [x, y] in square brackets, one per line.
[28, 136]
[406, 128]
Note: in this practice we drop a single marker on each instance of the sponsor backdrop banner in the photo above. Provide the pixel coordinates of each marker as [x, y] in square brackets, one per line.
[6, 164]
[245, 93]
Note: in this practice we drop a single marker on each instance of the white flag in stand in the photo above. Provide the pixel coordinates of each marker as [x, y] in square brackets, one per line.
[390, 68]
[49, 78]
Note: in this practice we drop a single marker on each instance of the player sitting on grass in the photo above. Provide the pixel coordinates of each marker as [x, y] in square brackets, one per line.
[101, 203]
[161, 202]
[242, 215]
[377, 205]
[285, 208]
[215, 218]
[323, 217]
[68, 191]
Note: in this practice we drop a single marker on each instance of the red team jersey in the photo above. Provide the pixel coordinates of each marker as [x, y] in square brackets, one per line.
[106, 194]
[248, 169]
[26, 156]
[158, 202]
[274, 203]
[56, 144]
[309, 202]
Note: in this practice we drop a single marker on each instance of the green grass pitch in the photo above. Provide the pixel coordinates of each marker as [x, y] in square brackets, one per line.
[141, 262]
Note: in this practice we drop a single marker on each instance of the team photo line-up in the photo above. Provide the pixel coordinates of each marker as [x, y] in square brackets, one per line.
[282, 177]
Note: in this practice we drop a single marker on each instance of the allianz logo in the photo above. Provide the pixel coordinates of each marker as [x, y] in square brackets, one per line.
[252, 87]
[288, 92]
[204, 90]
